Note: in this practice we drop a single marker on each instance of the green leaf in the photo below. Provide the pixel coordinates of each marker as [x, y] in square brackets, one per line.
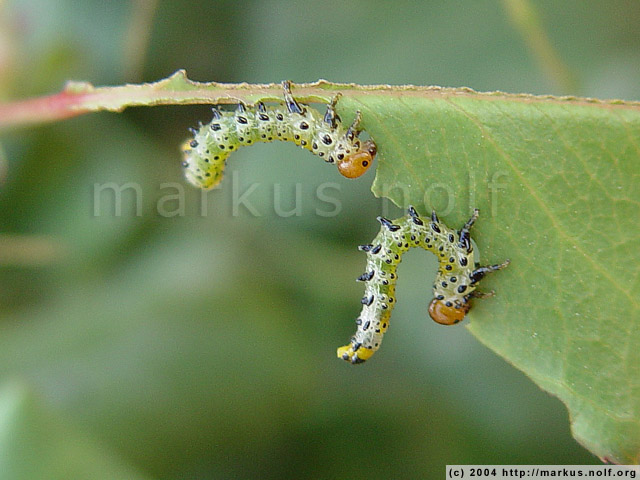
[36, 445]
[557, 182]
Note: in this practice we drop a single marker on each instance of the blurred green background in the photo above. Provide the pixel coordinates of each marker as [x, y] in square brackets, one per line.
[202, 346]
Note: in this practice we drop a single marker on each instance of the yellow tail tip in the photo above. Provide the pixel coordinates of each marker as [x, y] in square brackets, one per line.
[348, 354]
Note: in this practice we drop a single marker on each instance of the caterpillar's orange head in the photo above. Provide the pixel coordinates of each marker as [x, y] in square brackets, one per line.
[447, 315]
[357, 163]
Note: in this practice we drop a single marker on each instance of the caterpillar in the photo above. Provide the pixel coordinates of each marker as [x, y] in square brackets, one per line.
[455, 284]
[205, 155]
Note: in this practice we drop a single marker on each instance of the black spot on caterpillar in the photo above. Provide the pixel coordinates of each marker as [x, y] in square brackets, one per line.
[204, 156]
[455, 284]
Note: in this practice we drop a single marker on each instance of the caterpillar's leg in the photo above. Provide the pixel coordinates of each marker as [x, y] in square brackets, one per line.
[465, 239]
[479, 273]
[414, 215]
[354, 129]
[292, 105]
[467, 226]
[331, 117]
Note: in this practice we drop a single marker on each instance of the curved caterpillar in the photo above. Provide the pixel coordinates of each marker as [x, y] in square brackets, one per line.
[457, 277]
[205, 156]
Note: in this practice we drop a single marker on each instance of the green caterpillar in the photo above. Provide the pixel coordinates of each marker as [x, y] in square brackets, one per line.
[205, 156]
[457, 277]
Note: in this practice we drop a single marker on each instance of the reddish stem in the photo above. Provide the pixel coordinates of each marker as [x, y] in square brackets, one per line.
[42, 109]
